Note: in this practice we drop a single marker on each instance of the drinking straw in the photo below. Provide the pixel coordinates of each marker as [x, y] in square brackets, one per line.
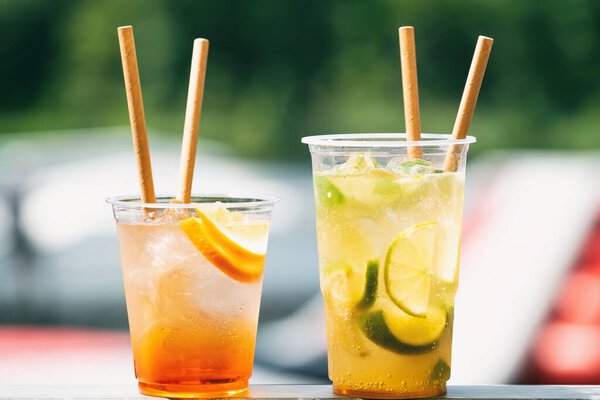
[410, 88]
[192, 119]
[469, 99]
[136, 113]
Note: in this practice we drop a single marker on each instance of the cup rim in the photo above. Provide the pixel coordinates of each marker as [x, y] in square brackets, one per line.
[226, 200]
[340, 140]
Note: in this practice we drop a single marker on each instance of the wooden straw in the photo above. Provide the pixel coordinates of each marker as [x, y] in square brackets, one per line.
[192, 119]
[410, 88]
[136, 113]
[469, 99]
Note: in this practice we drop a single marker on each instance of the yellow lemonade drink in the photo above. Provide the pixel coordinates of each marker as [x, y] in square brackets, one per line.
[388, 231]
[193, 281]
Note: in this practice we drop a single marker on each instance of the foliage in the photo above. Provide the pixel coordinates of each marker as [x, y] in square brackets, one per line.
[279, 70]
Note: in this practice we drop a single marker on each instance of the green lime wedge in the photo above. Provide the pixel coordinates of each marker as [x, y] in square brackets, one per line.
[401, 333]
[371, 282]
[440, 372]
[409, 266]
[327, 193]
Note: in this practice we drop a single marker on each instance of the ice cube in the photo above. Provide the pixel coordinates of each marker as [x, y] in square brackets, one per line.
[168, 247]
[357, 164]
[224, 296]
[401, 165]
[177, 288]
[197, 288]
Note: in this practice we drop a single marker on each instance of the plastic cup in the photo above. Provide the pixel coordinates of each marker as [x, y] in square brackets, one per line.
[193, 279]
[388, 233]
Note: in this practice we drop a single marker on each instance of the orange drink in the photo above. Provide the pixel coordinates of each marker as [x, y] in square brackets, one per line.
[193, 277]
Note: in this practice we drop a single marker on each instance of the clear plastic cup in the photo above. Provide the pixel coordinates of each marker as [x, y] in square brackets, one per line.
[193, 278]
[388, 233]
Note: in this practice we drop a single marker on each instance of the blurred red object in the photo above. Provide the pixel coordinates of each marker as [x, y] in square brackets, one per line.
[23, 340]
[590, 253]
[567, 353]
[63, 356]
[579, 300]
[567, 348]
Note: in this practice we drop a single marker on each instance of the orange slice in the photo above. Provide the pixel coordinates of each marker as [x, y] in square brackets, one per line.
[234, 260]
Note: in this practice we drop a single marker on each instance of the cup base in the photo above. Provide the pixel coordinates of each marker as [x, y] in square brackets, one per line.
[192, 391]
[426, 392]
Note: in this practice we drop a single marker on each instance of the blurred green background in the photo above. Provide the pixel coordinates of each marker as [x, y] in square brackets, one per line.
[279, 70]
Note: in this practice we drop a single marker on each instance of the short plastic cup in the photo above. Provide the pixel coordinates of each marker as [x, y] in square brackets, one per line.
[193, 278]
[388, 231]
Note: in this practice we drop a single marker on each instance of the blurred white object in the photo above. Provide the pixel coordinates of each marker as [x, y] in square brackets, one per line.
[75, 193]
[526, 226]
[305, 328]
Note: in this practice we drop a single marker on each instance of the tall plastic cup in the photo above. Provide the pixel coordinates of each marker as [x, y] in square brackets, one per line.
[193, 278]
[388, 233]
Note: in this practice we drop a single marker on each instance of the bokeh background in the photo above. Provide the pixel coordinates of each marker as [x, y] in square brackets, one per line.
[277, 71]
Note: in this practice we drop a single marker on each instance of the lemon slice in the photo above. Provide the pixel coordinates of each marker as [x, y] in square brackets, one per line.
[409, 266]
[224, 253]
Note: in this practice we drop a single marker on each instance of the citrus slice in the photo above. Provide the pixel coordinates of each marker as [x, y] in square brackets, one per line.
[440, 372]
[337, 285]
[408, 268]
[371, 283]
[416, 331]
[328, 194]
[224, 253]
[374, 186]
[401, 333]
[342, 288]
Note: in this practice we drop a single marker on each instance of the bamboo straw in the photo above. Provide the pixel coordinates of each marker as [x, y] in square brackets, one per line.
[469, 99]
[192, 119]
[136, 113]
[410, 88]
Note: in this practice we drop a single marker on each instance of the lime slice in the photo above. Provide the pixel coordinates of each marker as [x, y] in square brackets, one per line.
[416, 331]
[373, 186]
[330, 193]
[401, 333]
[327, 193]
[440, 372]
[408, 268]
[363, 187]
[371, 283]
